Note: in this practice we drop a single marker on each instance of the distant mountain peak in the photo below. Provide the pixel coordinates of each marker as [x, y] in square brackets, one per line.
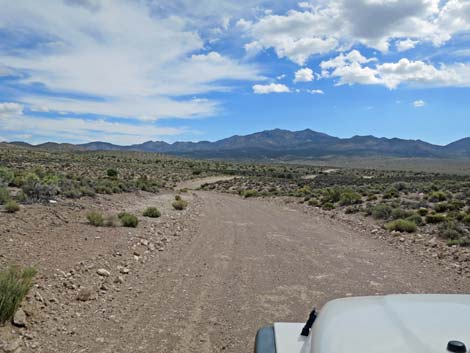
[281, 143]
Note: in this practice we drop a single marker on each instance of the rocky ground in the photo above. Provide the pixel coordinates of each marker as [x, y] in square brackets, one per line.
[203, 279]
[86, 274]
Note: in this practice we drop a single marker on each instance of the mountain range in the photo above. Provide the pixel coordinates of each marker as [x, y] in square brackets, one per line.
[283, 144]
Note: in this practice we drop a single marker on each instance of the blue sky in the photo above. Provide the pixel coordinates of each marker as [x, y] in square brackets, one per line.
[131, 71]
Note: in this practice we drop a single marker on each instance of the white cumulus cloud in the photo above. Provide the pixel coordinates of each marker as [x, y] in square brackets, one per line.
[270, 88]
[304, 75]
[419, 103]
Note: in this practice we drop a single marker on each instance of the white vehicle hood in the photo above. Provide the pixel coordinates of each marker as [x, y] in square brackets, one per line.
[387, 324]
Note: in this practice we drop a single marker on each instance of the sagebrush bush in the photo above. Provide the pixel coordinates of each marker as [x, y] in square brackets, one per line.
[14, 285]
[381, 211]
[401, 225]
[398, 213]
[179, 205]
[128, 220]
[95, 218]
[6, 176]
[4, 195]
[416, 219]
[350, 198]
[437, 196]
[434, 218]
[451, 230]
[152, 212]
[423, 211]
[12, 206]
[249, 193]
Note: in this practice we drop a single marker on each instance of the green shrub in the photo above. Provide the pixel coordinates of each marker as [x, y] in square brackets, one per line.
[381, 211]
[95, 218]
[423, 211]
[437, 196]
[328, 206]
[352, 209]
[11, 206]
[6, 176]
[391, 193]
[313, 202]
[14, 285]
[331, 195]
[416, 219]
[398, 213]
[466, 219]
[401, 225]
[112, 173]
[249, 193]
[451, 230]
[441, 207]
[4, 195]
[128, 220]
[179, 205]
[152, 212]
[434, 218]
[350, 198]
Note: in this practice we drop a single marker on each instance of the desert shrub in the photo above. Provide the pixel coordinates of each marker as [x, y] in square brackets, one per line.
[152, 212]
[87, 191]
[197, 172]
[36, 190]
[437, 196]
[313, 202]
[434, 218]
[4, 195]
[6, 176]
[401, 225]
[95, 218]
[451, 230]
[331, 195]
[14, 285]
[423, 211]
[391, 193]
[466, 219]
[441, 207]
[179, 205]
[304, 190]
[381, 211]
[11, 206]
[177, 197]
[72, 193]
[249, 193]
[128, 220]
[416, 219]
[328, 206]
[352, 209]
[350, 198]
[112, 173]
[398, 213]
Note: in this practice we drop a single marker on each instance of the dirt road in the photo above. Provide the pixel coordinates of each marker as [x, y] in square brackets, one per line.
[252, 262]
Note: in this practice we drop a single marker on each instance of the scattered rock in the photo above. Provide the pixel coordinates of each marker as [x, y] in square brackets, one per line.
[20, 318]
[102, 272]
[13, 346]
[85, 294]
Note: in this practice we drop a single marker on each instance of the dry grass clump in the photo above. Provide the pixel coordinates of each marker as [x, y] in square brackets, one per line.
[14, 285]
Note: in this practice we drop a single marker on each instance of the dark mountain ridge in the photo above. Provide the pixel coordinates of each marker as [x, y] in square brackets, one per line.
[279, 143]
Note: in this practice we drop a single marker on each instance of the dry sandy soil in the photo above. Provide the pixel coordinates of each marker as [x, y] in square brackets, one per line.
[200, 280]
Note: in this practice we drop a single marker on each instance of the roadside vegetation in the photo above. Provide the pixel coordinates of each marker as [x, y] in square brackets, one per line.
[400, 201]
[15, 283]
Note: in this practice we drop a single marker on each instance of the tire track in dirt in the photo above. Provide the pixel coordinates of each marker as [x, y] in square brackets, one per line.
[252, 262]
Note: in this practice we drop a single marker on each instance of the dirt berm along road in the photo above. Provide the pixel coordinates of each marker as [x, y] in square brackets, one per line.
[252, 262]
